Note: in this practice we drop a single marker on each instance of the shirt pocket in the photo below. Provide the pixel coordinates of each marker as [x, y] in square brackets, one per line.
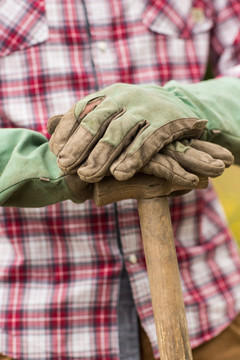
[183, 19]
[22, 24]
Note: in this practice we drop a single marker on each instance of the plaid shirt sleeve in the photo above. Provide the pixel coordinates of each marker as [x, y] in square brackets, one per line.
[60, 266]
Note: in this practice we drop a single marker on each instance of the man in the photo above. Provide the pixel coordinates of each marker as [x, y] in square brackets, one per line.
[73, 277]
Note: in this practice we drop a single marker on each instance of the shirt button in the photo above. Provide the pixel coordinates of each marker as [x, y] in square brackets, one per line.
[133, 258]
[197, 15]
[102, 45]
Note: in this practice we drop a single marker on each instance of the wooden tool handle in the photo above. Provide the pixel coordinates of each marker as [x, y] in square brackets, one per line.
[160, 253]
[164, 279]
[140, 186]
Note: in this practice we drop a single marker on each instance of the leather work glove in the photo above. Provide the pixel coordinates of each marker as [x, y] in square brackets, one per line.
[181, 162]
[29, 174]
[126, 126]
[116, 132]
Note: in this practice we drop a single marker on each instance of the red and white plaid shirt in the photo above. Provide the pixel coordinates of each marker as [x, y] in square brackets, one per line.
[60, 266]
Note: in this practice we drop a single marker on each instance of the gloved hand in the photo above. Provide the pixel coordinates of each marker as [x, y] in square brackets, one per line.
[115, 134]
[29, 174]
[181, 162]
[126, 126]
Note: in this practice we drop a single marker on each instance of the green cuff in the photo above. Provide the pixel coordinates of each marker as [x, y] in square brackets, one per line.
[29, 174]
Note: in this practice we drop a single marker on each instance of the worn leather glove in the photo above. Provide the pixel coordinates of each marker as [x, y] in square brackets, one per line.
[182, 162]
[126, 141]
[29, 174]
[127, 125]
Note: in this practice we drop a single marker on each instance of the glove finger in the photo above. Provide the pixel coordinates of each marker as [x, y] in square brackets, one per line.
[105, 152]
[215, 150]
[149, 142]
[76, 148]
[163, 166]
[62, 129]
[53, 123]
[195, 161]
[81, 108]
[55, 120]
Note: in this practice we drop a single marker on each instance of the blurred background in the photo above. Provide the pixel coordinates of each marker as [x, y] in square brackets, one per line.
[228, 189]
